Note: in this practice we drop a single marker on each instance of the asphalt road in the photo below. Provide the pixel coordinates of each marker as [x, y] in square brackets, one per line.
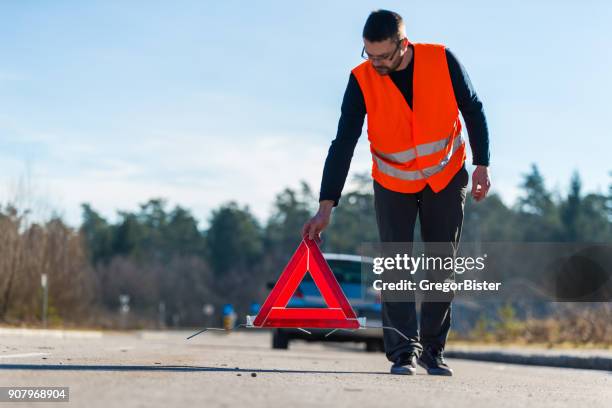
[163, 369]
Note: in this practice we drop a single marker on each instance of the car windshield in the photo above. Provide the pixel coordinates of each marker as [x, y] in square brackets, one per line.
[344, 271]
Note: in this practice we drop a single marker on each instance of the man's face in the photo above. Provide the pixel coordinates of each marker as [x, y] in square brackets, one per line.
[385, 56]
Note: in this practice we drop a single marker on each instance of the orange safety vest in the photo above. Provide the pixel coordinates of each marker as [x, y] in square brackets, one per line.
[413, 147]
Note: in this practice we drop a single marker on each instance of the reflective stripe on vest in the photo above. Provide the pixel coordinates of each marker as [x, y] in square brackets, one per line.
[423, 149]
[412, 175]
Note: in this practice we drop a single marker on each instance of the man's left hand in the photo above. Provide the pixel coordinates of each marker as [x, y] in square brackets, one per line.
[480, 182]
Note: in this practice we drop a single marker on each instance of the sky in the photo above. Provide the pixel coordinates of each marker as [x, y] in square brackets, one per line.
[199, 102]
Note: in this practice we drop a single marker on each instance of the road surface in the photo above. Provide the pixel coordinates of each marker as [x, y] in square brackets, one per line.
[163, 369]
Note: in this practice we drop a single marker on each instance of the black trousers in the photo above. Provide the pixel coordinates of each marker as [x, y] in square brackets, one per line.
[441, 217]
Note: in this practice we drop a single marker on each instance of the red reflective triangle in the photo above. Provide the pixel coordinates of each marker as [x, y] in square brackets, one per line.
[274, 311]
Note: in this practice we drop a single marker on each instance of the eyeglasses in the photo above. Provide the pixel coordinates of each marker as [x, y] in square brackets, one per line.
[387, 57]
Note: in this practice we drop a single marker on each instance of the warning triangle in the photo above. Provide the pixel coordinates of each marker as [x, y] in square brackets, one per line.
[274, 311]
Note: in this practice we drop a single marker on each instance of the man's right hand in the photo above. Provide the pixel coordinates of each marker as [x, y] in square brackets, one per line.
[314, 226]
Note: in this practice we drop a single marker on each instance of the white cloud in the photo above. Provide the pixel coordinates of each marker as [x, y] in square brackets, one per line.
[191, 169]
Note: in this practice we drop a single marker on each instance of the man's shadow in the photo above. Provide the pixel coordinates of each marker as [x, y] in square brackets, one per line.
[171, 368]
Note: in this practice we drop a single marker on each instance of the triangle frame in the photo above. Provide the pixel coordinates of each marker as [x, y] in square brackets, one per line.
[274, 312]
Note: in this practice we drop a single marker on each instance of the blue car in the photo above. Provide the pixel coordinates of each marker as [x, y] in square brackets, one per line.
[365, 301]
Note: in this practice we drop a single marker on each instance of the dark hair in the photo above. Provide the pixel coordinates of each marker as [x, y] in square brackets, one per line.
[382, 25]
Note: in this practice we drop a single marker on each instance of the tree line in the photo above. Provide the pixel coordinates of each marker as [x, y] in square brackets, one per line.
[170, 267]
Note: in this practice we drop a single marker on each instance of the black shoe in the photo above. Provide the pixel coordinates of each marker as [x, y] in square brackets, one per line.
[405, 364]
[432, 360]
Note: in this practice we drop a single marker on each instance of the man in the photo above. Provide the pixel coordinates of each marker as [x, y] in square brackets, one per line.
[412, 94]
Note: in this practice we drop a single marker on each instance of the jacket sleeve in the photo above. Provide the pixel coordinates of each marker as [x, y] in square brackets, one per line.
[471, 108]
[341, 151]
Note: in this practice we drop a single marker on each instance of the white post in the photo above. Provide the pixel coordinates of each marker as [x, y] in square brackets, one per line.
[45, 286]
